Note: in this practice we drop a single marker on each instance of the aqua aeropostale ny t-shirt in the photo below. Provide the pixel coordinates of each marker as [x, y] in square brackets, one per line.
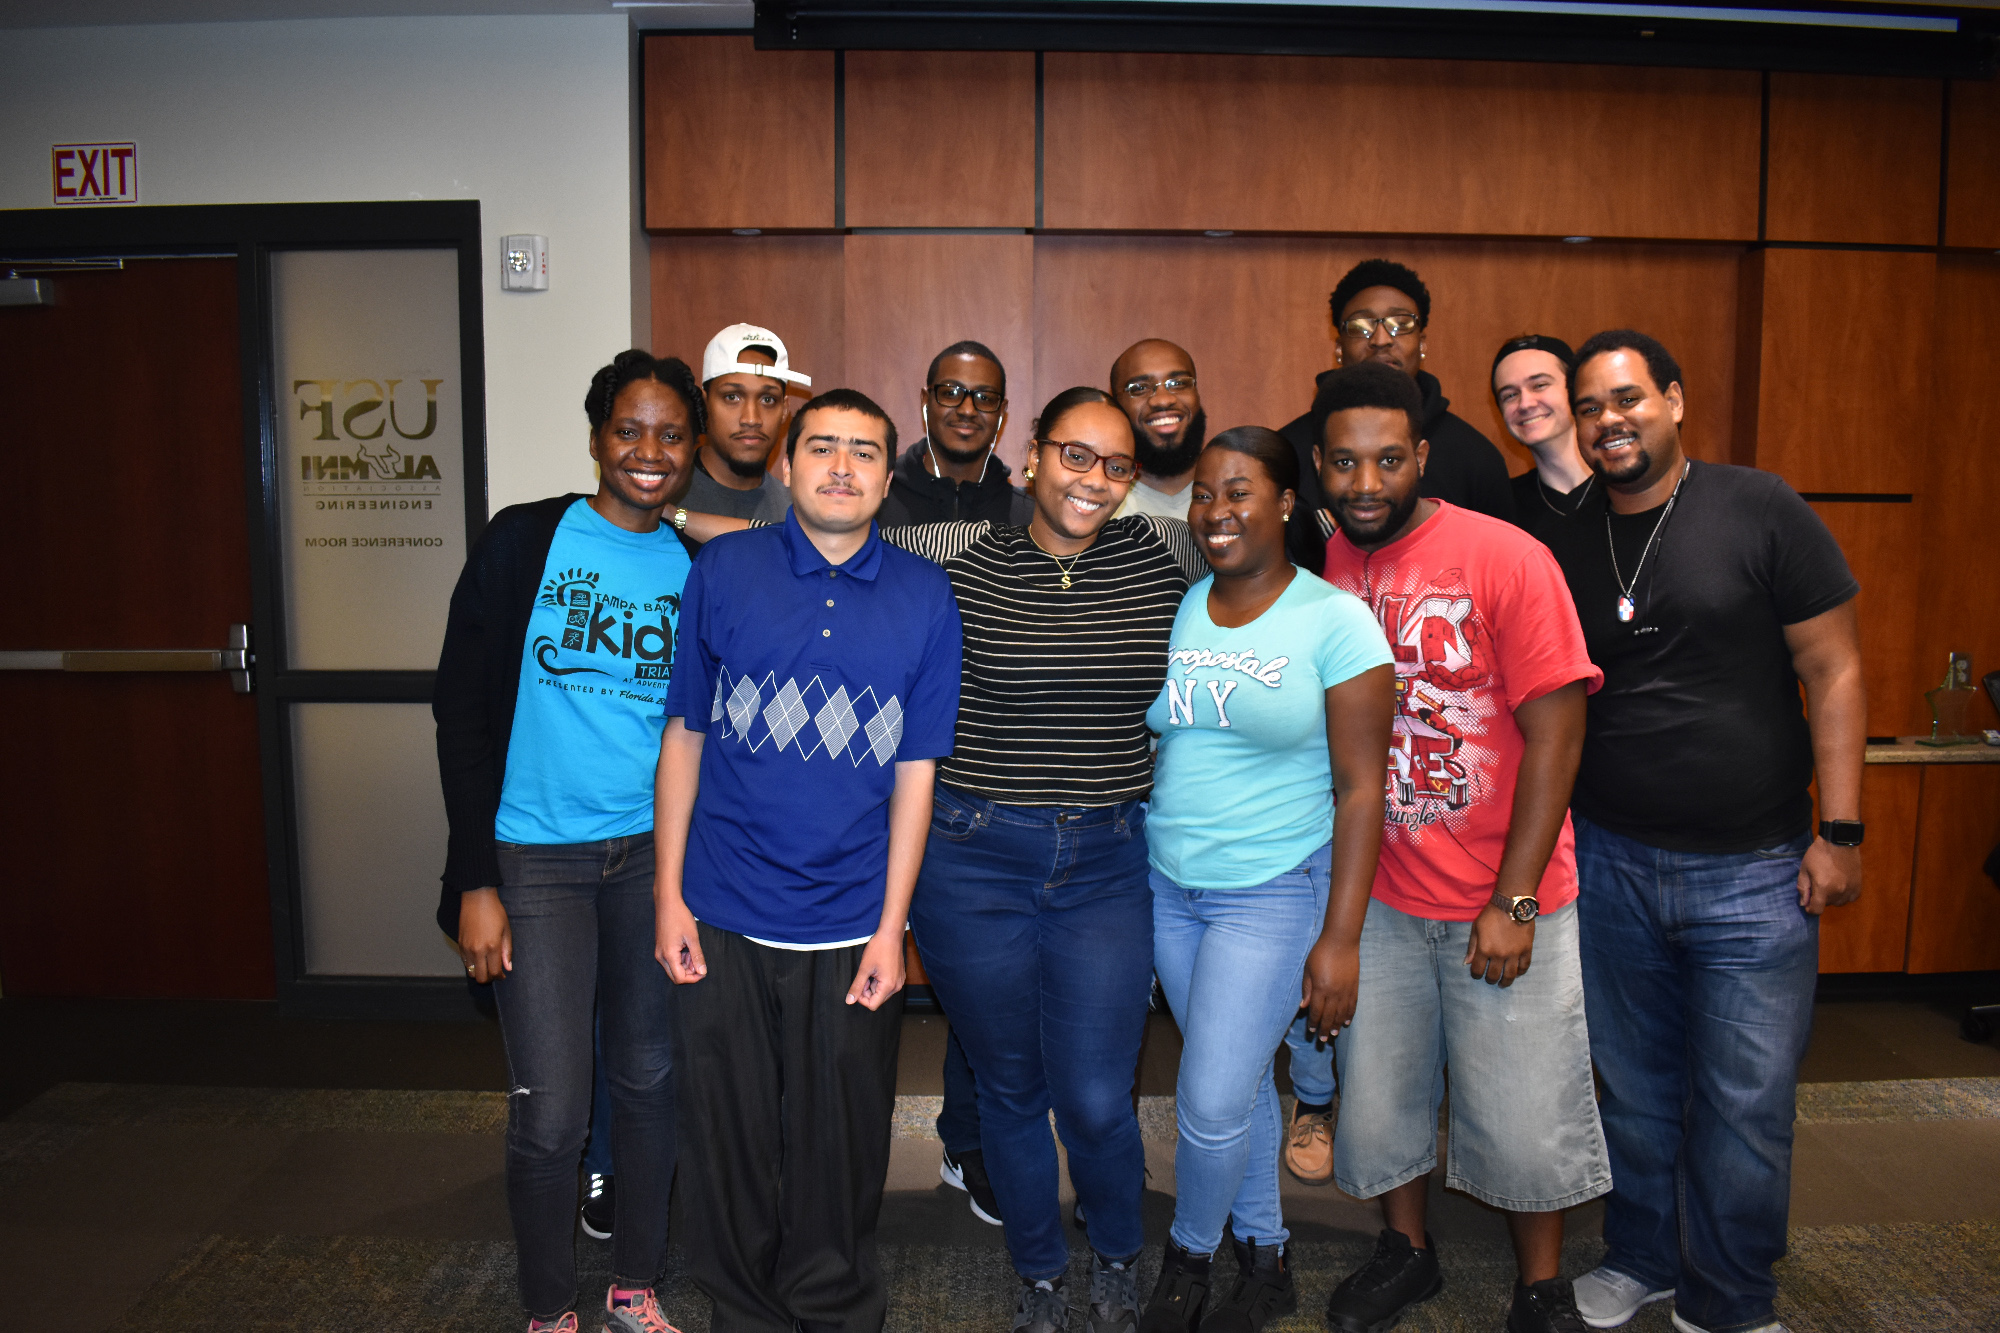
[594, 673]
[1243, 787]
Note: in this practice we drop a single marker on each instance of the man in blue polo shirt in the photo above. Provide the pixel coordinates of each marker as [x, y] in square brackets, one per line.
[816, 685]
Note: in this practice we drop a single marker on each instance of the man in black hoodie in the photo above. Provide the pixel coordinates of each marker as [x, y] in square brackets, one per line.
[952, 473]
[1382, 312]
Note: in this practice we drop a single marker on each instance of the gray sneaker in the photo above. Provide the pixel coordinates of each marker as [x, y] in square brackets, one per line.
[1114, 1296]
[1683, 1326]
[1607, 1298]
[1042, 1307]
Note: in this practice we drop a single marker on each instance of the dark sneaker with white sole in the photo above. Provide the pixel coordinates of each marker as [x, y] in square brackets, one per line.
[1042, 1307]
[1263, 1291]
[1181, 1293]
[600, 1196]
[1114, 1295]
[1548, 1306]
[967, 1172]
[1375, 1297]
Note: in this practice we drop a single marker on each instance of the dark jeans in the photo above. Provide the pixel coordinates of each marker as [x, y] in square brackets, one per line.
[958, 1118]
[1698, 974]
[1036, 926]
[786, 1097]
[582, 919]
[597, 1148]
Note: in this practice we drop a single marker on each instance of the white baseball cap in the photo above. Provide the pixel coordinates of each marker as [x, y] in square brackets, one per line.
[725, 355]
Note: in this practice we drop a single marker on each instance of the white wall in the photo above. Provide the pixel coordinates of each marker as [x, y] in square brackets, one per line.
[529, 115]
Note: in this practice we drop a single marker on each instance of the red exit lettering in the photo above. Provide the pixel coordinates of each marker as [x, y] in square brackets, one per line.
[95, 173]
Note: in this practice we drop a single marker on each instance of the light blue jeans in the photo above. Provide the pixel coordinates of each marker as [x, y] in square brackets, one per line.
[1312, 1064]
[1230, 962]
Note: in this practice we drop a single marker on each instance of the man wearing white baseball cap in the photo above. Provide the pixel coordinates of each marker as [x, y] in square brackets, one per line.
[743, 376]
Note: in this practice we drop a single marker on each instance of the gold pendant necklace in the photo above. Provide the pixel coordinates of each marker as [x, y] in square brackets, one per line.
[1060, 568]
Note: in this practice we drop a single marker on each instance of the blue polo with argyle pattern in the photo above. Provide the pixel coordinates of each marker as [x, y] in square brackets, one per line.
[811, 681]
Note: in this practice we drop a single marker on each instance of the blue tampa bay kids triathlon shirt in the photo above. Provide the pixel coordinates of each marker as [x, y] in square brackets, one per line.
[811, 681]
[594, 671]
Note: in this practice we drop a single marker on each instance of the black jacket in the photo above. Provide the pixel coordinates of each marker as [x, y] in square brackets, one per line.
[1465, 468]
[478, 677]
[915, 496]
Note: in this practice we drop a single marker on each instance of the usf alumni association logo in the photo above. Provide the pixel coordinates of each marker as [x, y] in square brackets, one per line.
[595, 621]
[364, 419]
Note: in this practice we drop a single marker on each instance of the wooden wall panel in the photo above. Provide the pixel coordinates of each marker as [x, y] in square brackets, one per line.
[737, 137]
[1881, 542]
[1972, 192]
[940, 139]
[908, 297]
[1253, 314]
[1845, 381]
[1959, 591]
[1871, 933]
[790, 285]
[1292, 143]
[1954, 907]
[1854, 158]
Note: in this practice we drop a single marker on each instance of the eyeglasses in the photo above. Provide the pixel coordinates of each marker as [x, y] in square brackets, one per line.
[1080, 457]
[950, 393]
[1362, 326]
[1140, 389]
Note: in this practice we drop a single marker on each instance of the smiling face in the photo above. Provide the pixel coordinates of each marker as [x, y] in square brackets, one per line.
[1369, 468]
[745, 414]
[964, 431]
[1154, 383]
[839, 470]
[1238, 513]
[1533, 393]
[1627, 428]
[643, 452]
[1074, 505]
[1403, 353]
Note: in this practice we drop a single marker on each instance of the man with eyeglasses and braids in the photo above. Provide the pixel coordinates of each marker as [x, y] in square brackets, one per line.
[1382, 312]
[1153, 381]
[953, 474]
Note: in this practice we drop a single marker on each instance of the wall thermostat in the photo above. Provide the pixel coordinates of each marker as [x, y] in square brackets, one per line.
[524, 263]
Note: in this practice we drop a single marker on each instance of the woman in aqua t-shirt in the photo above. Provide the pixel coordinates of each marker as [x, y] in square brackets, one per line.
[1278, 699]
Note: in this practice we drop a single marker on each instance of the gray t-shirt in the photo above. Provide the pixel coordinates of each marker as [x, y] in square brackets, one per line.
[705, 495]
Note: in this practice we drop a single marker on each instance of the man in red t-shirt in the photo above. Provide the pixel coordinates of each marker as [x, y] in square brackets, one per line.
[1477, 877]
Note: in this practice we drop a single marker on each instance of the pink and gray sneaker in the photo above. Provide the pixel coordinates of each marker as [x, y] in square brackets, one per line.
[634, 1310]
[564, 1324]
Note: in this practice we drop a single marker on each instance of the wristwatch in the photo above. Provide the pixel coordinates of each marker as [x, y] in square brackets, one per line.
[680, 520]
[1522, 909]
[1842, 832]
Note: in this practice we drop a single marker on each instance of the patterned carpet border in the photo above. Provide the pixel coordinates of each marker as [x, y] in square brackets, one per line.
[1900, 1099]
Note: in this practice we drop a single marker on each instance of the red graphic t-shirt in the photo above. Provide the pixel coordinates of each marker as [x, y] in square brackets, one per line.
[1480, 621]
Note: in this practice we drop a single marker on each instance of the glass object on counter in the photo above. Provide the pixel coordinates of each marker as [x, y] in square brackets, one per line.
[1951, 705]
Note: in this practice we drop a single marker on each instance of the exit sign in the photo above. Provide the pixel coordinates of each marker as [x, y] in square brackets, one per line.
[95, 173]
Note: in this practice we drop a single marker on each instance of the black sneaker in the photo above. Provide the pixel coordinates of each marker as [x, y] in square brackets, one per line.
[1114, 1295]
[1180, 1294]
[967, 1172]
[1042, 1307]
[1263, 1291]
[1374, 1298]
[1545, 1307]
[599, 1196]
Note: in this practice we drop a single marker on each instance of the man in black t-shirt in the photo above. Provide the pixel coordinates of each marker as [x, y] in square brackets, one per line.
[1531, 388]
[1708, 594]
[1382, 312]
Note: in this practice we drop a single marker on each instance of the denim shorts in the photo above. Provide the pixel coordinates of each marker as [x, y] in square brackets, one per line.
[1524, 1130]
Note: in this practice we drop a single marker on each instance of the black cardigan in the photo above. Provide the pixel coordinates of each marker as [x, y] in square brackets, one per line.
[478, 679]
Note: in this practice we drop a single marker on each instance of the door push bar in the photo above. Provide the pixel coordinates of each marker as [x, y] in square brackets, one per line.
[236, 659]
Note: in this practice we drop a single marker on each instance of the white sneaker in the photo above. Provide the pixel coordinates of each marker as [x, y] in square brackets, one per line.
[1683, 1326]
[1607, 1298]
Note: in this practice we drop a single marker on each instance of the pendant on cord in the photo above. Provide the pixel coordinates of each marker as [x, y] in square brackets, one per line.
[1065, 587]
[1625, 608]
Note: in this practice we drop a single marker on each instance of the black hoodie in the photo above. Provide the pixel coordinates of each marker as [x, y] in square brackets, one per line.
[915, 496]
[1465, 468]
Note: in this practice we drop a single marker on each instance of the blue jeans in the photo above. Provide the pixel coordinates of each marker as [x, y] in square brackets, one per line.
[1230, 962]
[958, 1118]
[582, 920]
[1698, 972]
[597, 1148]
[1036, 927]
[1312, 1064]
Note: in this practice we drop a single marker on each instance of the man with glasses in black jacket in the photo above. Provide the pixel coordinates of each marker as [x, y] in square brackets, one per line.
[952, 473]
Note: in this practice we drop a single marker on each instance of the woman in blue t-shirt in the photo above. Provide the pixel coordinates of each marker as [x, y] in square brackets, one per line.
[1278, 699]
[550, 703]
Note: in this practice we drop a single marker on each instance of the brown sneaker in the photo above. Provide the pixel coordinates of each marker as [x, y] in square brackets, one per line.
[1309, 1146]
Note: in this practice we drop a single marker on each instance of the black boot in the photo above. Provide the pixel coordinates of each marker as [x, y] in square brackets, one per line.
[1545, 1307]
[1180, 1294]
[1263, 1291]
[1374, 1298]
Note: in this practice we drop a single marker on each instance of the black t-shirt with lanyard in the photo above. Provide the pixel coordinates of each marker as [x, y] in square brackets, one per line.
[1698, 740]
